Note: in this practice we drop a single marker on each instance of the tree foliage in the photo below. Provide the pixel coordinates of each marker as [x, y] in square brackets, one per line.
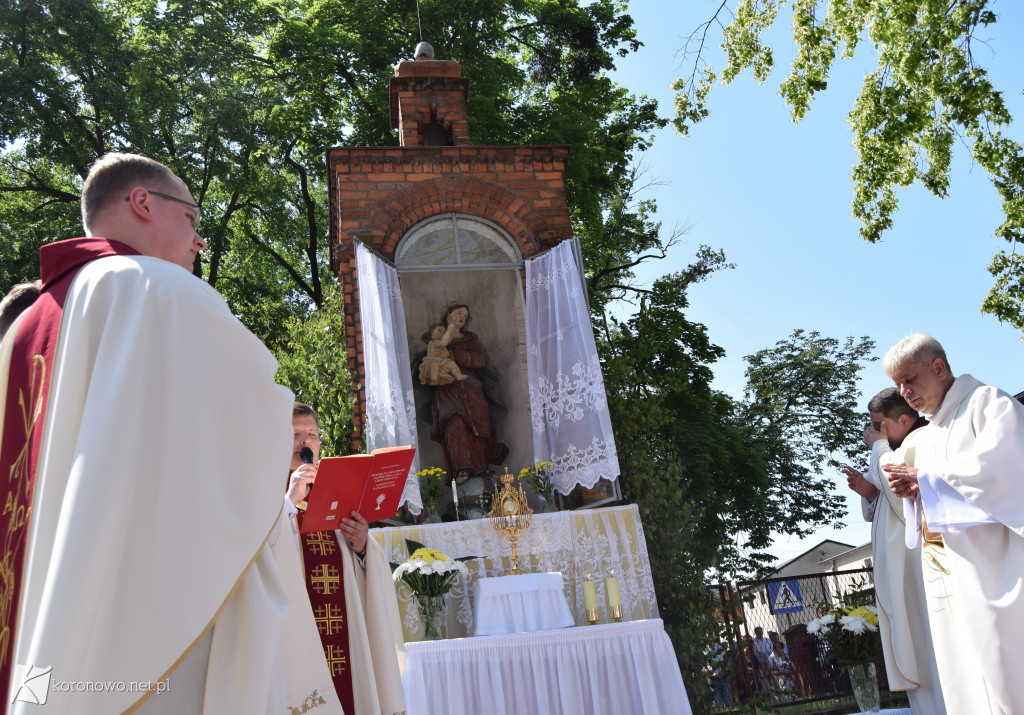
[240, 97]
[315, 367]
[926, 94]
[712, 477]
[800, 411]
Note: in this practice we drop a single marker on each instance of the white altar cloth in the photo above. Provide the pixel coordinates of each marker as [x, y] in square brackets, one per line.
[519, 604]
[573, 542]
[609, 669]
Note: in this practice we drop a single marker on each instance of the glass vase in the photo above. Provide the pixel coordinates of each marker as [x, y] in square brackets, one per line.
[432, 613]
[865, 686]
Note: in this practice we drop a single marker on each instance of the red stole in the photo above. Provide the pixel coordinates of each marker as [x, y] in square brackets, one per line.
[28, 391]
[325, 584]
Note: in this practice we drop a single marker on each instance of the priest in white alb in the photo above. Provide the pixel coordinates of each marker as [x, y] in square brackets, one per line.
[964, 486]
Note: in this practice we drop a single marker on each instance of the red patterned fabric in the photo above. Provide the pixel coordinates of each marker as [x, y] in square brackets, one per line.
[325, 584]
[28, 388]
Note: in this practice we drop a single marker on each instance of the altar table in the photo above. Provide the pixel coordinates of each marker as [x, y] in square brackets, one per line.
[609, 669]
[519, 604]
[572, 542]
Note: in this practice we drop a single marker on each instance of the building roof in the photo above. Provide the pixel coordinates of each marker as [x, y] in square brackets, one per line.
[817, 547]
[841, 554]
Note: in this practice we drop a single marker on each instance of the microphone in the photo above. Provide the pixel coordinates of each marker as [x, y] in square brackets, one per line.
[306, 455]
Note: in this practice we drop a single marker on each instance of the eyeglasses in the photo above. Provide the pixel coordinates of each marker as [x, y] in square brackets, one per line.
[195, 207]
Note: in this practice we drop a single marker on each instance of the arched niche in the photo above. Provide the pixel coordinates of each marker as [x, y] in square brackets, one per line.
[466, 259]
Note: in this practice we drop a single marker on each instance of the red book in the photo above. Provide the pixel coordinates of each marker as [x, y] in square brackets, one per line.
[370, 484]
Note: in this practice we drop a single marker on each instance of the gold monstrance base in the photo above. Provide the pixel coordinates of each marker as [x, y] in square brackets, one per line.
[510, 514]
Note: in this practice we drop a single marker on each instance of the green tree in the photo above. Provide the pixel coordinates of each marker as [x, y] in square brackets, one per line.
[240, 97]
[315, 367]
[712, 477]
[927, 93]
[800, 411]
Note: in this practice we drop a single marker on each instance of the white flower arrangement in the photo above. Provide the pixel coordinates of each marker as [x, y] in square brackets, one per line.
[848, 641]
[821, 625]
[428, 572]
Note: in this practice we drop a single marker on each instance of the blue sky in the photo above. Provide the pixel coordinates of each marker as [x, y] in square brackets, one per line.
[775, 196]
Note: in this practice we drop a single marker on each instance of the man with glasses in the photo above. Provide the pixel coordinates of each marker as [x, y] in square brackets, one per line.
[144, 440]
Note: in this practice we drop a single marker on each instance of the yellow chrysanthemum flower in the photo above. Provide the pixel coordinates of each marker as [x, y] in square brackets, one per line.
[866, 614]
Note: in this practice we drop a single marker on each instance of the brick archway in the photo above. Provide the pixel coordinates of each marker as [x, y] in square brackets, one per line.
[463, 195]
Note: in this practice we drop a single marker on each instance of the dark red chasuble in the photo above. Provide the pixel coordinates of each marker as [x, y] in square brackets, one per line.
[28, 391]
[325, 584]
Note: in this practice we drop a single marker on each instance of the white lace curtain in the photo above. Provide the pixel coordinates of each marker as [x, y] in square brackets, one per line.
[571, 425]
[390, 407]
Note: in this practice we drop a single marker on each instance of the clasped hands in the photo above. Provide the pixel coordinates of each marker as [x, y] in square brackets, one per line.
[902, 480]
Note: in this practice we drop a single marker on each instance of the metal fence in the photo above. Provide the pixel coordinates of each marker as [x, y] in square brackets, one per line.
[781, 608]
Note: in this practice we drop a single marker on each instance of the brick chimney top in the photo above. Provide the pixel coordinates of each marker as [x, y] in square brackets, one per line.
[428, 68]
[428, 101]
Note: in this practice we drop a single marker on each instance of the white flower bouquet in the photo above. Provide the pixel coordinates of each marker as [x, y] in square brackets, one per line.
[428, 572]
[851, 633]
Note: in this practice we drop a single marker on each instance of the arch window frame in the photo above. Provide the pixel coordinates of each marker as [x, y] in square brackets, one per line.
[509, 247]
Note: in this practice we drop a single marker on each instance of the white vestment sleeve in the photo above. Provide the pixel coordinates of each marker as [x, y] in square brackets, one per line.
[988, 468]
[874, 475]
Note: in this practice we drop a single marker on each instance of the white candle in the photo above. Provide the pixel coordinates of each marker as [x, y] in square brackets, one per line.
[455, 494]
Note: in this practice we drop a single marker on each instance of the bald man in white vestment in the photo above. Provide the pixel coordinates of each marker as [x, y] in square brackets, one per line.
[964, 489]
[143, 440]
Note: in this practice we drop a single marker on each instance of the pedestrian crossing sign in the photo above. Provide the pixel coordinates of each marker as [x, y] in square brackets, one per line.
[784, 597]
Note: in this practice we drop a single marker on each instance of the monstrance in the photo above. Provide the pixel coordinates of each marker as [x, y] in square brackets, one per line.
[510, 514]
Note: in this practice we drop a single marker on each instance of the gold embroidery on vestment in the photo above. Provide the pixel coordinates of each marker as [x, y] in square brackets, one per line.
[19, 481]
[329, 619]
[320, 543]
[312, 700]
[325, 579]
[335, 659]
[931, 552]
